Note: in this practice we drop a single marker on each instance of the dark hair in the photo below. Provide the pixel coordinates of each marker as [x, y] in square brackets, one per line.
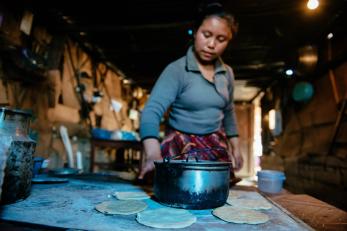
[215, 9]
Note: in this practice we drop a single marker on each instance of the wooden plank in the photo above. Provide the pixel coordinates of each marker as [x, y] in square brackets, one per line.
[316, 213]
[290, 214]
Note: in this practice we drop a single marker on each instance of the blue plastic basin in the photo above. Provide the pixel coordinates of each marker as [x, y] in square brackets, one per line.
[270, 181]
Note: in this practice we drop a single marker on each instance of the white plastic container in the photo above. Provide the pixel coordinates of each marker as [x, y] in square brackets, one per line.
[270, 181]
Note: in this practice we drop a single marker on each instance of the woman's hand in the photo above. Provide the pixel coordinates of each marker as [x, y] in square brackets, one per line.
[151, 153]
[235, 152]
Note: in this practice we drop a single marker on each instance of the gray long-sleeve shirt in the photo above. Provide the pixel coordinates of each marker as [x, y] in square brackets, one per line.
[197, 105]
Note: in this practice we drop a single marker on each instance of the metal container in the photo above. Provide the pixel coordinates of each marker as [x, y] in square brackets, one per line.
[196, 184]
[14, 127]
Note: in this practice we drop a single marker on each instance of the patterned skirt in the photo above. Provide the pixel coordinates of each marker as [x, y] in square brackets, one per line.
[178, 145]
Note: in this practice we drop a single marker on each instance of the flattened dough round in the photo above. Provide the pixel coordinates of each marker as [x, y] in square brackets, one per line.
[239, 215]
[250, 203]
[233, 194]
[121, 207]
[166, 218]
[131, 195]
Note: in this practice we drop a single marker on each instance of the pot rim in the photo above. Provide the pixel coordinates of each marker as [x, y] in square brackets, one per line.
[15, 111]
[194, 163]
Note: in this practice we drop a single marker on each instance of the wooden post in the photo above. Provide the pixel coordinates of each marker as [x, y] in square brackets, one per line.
[332, 75]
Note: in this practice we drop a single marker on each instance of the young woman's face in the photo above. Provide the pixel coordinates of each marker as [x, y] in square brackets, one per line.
[211, 38]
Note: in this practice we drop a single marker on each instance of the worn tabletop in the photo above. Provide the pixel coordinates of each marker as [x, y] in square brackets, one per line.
[72, 205]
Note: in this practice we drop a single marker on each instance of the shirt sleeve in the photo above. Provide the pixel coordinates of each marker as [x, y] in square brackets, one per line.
[230, 121]
[162, 96]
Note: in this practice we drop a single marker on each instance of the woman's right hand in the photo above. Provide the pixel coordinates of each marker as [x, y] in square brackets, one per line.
[151, 153]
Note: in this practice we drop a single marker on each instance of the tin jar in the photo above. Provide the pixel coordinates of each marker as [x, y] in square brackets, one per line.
[14, 128]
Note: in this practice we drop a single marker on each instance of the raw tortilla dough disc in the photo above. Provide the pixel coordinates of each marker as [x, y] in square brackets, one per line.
[166, 218]
[249, 203]
[131, 195]
[234, 194]
[121, 207]
[239, 215]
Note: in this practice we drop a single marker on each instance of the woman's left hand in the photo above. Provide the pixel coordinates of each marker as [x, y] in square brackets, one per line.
[238, 159]
[235, 152]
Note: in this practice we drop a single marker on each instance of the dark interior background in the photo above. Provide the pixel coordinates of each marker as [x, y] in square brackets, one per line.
[140, 37]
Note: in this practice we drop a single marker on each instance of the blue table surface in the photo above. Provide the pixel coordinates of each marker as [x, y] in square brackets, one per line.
[72, 205]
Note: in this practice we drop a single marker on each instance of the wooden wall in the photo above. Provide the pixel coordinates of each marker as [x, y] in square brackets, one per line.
[302, 150]
[49, 92]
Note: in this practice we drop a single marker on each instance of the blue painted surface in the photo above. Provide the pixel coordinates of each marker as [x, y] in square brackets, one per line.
[72, 205]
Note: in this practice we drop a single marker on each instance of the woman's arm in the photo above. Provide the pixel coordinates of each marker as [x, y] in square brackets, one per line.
[235, 152]
[162, 95]
[151, 153]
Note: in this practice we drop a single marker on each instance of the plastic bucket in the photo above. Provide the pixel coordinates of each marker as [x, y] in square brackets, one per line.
[100, 133]
[270, 181]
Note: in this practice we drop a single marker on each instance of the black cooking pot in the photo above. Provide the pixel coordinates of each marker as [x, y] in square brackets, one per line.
[192, 184]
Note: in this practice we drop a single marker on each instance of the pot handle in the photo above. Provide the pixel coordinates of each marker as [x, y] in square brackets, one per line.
[168, 158]
[193, 152]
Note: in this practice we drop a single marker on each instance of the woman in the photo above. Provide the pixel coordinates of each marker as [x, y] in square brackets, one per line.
[198, 88]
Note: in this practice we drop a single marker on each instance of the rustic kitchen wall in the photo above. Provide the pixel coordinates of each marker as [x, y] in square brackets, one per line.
[53, 89]
[302, 150]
